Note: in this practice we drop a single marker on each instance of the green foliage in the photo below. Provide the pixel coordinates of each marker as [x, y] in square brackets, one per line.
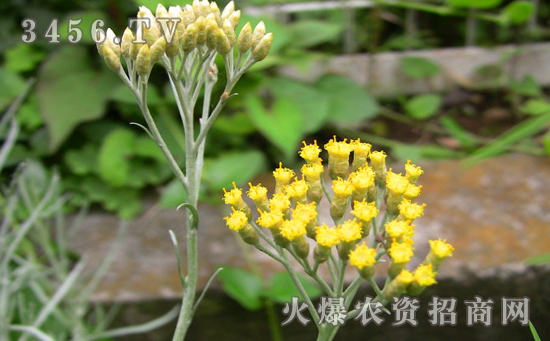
[11, 84]
[518, 12]
[419, 68]
[478, 4]
[424, 106]
[527, 86]
[233, 166]
[535, 107]
[249, 290]
[536, 336]
[62, 95]
[308, 33]
[540, 259]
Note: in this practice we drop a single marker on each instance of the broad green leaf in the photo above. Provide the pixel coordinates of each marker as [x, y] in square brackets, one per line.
[546, 142]
[523, 130]
[349, 102]
[85, 26]
[480, 4]
[172, 195]
[424, 106]
[82, 161]
[540, 259]
[281, 124]
[233, 166]
[28, 115]
[308, 33]
[418, 67]
[528, 86]
[518, 12]
[146, 147]
[460, 134]
[535, 107]
[70, 91]
[313, 103]
[23, 57]
[11, 85]
[236, 124]
[124, 201]
[243, 286]
[143, 172]
[113, 163]
[281, 288]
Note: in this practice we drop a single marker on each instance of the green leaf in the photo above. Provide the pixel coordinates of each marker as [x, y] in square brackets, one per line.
[11, 85]
[518, 12]
[308, 33]
[546, 142]
[236, 124]
[349, 102]
[480, 4]
[23, 57]
[82, 161]
[419, 68]
[243, 286]
[460, 134]
[28, 114]
[282, 288]
[282, 124]
[540, 259]
[71, 92]
[85, 26]
[406, 152]
[536, 336]
[146, 147]
[113, 164]
[535, 107]
[521, 131]
[152, 4]
[528, 86]
[424, 106]
[124, 201]
[233, 166]
[172, 195]
[314, 104]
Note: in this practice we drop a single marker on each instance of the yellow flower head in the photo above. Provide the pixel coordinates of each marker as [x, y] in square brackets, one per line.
[338, 150]
[362, 179]
[350, 230]
[412, 192]
[441, 249]
[326, 236]
[236, 220]
[424, 275]
[257, 193]
[342, 188]
[404, 278]
[234, 197]
[396, 183]
[297, 189]
[401, 252]
[412, 172]
[378, 159]
[312, 171]
[280, 202]
[410, 210]
[364, 211]
[283, 175]
[270, 220]
[362, 256]
[399, 229]
[360, 149]
[305, 212]
[310, 152]
[292, 229]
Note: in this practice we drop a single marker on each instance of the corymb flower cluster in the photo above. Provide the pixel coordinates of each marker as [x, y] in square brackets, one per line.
[177, 32]
[372, 211]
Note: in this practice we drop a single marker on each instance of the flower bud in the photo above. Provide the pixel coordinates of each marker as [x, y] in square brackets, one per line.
[258, 34]
[190, 38]
[378, 164]
[110, 41]
[262, 49]
[143, 61]
[161, 11]
[424, 276]
[342, 191]
[111, 58]
[399, 285]
[201, 29]
[228, 10]
[134, 50]
[188, 15]
[338, 158]
[234, 18]
[360, 154]
[244, 42]
[229, 32]
[439, 250]
[126, 44]
[349, 233]
[223, 45]
[173, 48]
[157, 50]
[211, 33]
[215, 11]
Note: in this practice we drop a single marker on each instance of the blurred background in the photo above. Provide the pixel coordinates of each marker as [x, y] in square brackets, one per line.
[446, 83]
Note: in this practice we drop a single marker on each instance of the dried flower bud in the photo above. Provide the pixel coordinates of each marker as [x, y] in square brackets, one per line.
[258, 34]
[143, 61]
[244, 42]
[263, 47]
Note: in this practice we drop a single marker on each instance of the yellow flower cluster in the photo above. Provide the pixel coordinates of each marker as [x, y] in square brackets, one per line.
[369, 205]
[201, 25]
